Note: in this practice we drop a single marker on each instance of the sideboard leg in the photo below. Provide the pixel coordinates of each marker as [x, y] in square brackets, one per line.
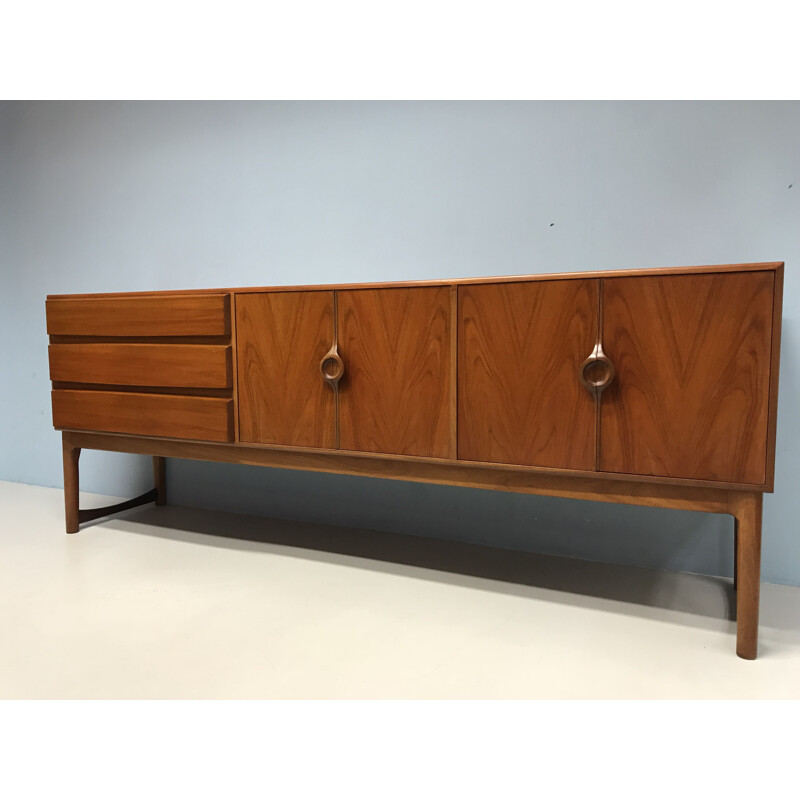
[160, 479]
[75, 515]
[735, 553]
[746, 508]
[71, 482]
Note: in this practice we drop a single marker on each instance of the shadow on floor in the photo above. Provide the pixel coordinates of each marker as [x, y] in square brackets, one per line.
[699, 600]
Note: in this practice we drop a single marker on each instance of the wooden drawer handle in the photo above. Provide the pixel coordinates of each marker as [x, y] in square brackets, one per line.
[597, 372]
[332, 367]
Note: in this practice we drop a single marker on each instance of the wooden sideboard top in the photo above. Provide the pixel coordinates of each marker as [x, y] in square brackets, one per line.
[614, 273]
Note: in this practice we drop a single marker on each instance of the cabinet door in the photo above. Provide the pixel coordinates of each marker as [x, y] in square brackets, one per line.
[395, 393]
[281, 338]
[692, 354]
[520, 347]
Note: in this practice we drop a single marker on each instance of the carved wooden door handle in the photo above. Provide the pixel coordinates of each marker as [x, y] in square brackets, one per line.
[332, 367]
[597, 371]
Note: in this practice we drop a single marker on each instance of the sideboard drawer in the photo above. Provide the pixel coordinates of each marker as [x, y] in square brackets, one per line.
[195, 366]
[171, 315]
[170, 415]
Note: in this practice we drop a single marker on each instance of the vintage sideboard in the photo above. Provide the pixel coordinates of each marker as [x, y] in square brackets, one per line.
[654, 387]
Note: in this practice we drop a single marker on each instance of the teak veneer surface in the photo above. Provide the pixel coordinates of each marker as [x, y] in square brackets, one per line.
[169, 365]
[146, 315]
[395, 393]
[177, 416]
[691, 396]
[281, 339]
[520, 347]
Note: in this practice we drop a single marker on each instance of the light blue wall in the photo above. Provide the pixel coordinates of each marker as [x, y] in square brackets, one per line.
[126, 196]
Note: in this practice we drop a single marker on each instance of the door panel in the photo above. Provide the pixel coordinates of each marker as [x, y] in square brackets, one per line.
[395, 393]
[281, 338]
[692, 354]
[519, 397]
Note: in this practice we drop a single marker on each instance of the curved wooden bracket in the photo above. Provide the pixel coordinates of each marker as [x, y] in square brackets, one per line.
[75, 515]
[88, 514]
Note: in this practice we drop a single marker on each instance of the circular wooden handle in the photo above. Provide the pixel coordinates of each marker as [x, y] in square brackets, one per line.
[332, 367]
[597, 372]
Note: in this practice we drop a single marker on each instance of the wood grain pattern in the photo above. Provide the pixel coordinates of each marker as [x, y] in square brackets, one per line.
[125, 315]
[395, 394]
[178, 416]
[177, 365]
[693, 367]
[519, 397]
[281, 339]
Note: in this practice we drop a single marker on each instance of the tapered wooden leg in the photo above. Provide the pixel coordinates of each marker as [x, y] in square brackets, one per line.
[71, 482]
[746, 508]
[735, 553]
[160, 479]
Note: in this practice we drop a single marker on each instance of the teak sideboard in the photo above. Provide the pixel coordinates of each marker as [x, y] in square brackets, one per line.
[654, 387]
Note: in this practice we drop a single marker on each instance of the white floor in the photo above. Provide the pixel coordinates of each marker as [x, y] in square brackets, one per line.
[180, 603]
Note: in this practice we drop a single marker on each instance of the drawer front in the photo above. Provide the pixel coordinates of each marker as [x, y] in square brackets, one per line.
[174, 416]
[186, 315]
[194, 366]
